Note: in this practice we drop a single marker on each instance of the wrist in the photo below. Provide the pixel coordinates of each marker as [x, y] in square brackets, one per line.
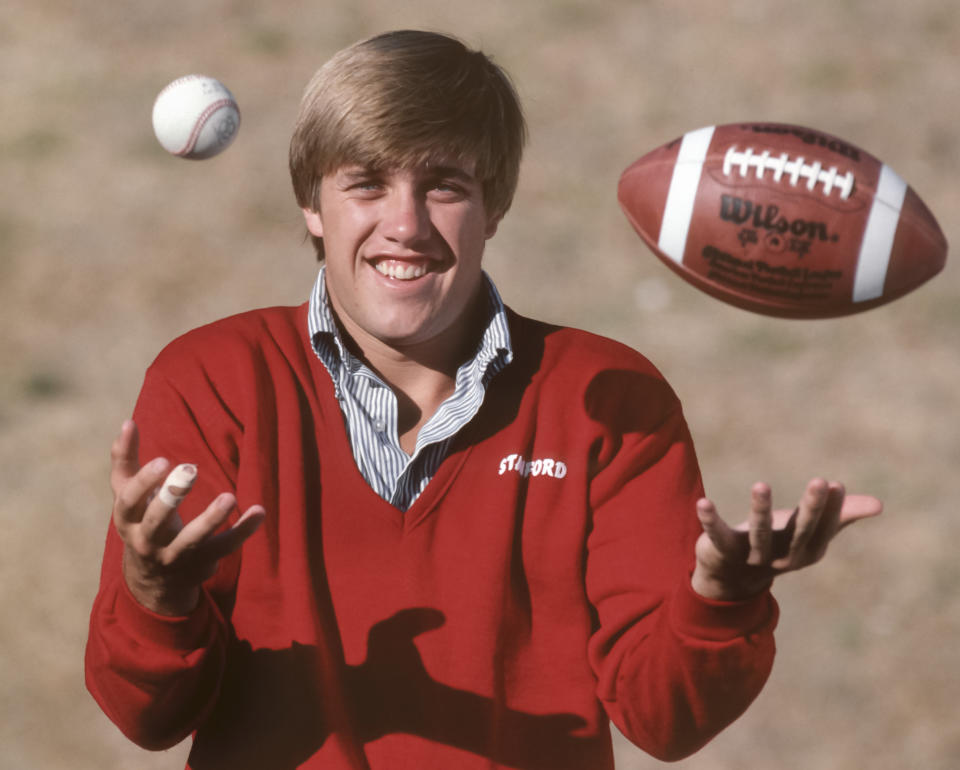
[721, 588]
[157, 594]
[697, 617]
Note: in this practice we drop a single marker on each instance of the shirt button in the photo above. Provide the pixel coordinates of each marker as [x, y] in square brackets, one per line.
[379, 426]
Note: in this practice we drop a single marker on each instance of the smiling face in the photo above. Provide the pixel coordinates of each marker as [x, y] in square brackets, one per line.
[403, 250]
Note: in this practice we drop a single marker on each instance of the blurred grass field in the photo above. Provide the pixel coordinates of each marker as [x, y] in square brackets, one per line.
[109, 248]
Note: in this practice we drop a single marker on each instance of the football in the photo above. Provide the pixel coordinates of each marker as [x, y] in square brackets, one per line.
[782, 220]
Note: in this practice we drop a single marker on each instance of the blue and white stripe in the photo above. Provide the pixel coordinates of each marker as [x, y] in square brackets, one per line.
[369, 406]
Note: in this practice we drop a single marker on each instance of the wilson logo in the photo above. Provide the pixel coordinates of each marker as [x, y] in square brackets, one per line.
[547, 466]
[742, 211]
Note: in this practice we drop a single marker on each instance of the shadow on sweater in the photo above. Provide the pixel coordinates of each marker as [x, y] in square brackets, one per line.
[270, 712]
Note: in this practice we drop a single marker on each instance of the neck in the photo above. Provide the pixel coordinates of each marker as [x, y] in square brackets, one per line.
[422, 374]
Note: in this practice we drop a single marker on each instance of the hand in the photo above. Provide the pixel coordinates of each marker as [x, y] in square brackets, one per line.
[165, 561]
[734, 564]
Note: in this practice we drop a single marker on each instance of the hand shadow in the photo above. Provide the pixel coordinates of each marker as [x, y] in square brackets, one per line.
[270, 713]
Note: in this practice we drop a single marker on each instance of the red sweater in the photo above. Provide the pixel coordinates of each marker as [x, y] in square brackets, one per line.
[539, 584]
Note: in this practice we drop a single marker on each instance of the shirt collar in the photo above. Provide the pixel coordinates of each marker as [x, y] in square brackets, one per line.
[496, 346]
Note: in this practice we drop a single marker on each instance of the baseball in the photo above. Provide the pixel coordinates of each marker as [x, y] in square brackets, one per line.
[195, 117]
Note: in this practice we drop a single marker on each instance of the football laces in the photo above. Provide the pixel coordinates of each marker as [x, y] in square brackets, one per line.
[793, 171]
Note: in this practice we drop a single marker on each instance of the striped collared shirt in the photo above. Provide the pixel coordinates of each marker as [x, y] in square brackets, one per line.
[369, 406]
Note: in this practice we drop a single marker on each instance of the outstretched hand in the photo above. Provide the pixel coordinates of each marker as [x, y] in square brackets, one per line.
[165, 560]
[737, 563]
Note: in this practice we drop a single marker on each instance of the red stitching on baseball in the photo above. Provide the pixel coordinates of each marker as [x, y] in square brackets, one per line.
[201, 122]
[178, 81]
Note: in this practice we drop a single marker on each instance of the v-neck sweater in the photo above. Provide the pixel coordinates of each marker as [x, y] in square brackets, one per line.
[370, 407]
[539, 585]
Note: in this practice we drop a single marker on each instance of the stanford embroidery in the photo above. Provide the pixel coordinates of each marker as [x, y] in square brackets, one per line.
[546, 466]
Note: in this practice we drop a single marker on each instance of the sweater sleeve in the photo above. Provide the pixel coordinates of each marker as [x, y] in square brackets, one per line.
[673, 668]
[157, 677]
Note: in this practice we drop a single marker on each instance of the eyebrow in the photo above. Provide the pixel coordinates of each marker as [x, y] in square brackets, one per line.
[357, 172]
[451, 171]
[352, 173]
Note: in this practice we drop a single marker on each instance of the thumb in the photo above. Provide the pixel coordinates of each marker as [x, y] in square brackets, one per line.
[856, 507]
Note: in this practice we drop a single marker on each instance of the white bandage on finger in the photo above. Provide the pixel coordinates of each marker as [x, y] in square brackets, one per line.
[177, 484]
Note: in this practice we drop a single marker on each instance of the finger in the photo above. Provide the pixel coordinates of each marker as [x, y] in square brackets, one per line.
[760, 524]
[123, 456]
[809, 513]
[829, 523]
[724, 539]
[229, 541]
[200, 529]
[159, 513]
[133, 496]
[198, 539]
[856, 507]
[177, 484]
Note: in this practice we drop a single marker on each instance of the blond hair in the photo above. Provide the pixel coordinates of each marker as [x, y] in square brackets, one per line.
[402, 99]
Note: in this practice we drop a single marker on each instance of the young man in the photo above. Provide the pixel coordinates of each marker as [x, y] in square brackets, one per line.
[478, 537]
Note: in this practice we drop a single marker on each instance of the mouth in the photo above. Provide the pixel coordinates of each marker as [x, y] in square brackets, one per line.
[402, 269]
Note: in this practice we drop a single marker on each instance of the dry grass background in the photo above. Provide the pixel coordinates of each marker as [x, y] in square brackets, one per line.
[109, 248]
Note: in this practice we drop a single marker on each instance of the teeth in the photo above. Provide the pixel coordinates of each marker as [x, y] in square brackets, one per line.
[399, 271]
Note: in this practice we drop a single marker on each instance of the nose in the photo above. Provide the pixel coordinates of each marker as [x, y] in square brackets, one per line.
[406, 219]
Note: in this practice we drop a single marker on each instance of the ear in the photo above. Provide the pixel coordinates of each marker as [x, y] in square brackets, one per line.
[314, 222]
[492, 223]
